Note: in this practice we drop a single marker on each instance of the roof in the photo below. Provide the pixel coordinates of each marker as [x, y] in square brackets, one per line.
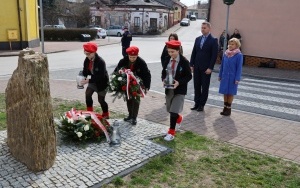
[179, 3]
[199, 6]
[143, 3]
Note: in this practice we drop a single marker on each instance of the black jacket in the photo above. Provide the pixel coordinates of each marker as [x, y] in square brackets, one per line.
[100, 75]
[140, 69]
[183, 75]
[126, 39]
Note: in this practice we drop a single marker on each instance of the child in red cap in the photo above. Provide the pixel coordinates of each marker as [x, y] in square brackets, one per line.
[176, 66]
[94, 69]
[139, 68]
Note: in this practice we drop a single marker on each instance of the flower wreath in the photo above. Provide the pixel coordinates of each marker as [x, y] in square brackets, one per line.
[125, 84]
[81, 125]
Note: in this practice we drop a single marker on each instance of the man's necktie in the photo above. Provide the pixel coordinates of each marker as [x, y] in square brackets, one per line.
[202, 41]
[173, 66]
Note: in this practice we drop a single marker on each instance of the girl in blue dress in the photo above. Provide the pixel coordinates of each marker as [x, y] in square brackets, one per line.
[230, 73]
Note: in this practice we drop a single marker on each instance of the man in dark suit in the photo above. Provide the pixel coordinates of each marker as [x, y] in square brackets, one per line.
[202, 62]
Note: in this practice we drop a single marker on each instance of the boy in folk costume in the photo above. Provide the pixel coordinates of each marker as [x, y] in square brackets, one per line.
[139, 68]
[94, 67]
[181, 72]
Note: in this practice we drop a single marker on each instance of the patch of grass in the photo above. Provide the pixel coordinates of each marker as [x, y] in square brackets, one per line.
[201, 162]
[2, 112]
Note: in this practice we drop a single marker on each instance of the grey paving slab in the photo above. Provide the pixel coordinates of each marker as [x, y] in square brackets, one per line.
[77, 166]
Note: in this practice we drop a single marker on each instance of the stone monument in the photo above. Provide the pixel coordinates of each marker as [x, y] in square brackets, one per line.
[31, 132]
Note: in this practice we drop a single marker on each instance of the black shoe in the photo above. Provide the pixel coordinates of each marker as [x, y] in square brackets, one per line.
[194, 108]
[133, 121]
[200, 108]
[128, 118]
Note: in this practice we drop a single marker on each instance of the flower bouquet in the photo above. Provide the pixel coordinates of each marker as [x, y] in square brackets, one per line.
[79, 125]
[125, 84]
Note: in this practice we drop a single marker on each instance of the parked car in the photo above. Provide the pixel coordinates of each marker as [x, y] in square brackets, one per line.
[115, 30]
[193, 17]
[101, 33]
[185, 22]
[61, 26]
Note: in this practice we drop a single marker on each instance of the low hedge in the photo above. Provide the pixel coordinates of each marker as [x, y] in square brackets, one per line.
[52, 34]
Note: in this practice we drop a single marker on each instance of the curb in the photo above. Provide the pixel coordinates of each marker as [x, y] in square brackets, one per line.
[266, 77]
[16, 53]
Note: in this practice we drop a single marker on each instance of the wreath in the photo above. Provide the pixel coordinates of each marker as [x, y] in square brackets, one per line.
[81, 126]
[125, 84]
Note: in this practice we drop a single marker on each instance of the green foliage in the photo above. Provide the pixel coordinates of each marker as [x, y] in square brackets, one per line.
[118, 85]
[52, 34]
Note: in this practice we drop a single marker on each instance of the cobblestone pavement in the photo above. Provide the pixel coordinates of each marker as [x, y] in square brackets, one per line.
[86, 166]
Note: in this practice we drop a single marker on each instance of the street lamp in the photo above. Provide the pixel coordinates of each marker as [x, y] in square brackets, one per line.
[228, 3]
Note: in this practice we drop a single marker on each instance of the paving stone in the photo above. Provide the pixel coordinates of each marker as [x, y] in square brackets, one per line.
[82, 167]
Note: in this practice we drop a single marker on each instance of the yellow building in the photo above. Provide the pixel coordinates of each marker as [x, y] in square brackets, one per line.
[19, 26]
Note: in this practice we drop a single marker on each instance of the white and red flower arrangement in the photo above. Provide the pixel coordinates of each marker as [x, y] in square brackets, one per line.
[79, 125]
[125, 84]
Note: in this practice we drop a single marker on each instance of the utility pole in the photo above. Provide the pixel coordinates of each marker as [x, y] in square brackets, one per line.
[228, 3]
[42, 26]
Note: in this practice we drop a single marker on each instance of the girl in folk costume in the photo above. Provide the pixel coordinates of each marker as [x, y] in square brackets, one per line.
[230, 73]
[181, 72]
[94, 69]
[139, 68]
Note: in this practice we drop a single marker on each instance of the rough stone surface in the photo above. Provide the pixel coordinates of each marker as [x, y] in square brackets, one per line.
[88, 165]
[30, 129]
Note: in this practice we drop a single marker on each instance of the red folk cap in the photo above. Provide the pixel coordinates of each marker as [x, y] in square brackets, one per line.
[90, 47]
[174, 44]
[132, 50]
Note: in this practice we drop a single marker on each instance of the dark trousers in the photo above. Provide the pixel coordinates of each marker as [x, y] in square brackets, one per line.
[101, 99]
[133, 107]
[124, 50]
[201, 87]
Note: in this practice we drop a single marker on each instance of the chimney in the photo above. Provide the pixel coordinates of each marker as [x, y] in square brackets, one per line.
[199, 4]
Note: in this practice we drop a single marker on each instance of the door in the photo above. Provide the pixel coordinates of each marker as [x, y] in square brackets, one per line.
[153, 24]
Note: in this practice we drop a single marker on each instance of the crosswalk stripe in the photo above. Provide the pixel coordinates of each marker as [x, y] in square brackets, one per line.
[259, 105]
[271, 82]
[269, 86]
[263, 97]
[269, 91]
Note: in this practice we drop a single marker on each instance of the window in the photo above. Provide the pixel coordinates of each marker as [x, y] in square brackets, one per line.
[136, 21]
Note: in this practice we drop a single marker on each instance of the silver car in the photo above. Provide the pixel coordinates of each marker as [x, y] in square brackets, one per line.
[101, 33]
[115, 30]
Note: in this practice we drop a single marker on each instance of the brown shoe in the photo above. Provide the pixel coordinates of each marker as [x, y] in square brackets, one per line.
[224, 110]
[227, 112]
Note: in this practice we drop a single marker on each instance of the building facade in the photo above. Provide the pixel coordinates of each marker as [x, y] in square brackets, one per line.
[269, 29]
[19, 25]
[199, 10]
[141, 16]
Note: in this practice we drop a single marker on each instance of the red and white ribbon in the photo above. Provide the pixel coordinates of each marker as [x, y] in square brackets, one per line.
[130, 76]
[76, 114]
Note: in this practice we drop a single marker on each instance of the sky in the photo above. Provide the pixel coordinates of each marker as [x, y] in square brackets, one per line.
[192, 2]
